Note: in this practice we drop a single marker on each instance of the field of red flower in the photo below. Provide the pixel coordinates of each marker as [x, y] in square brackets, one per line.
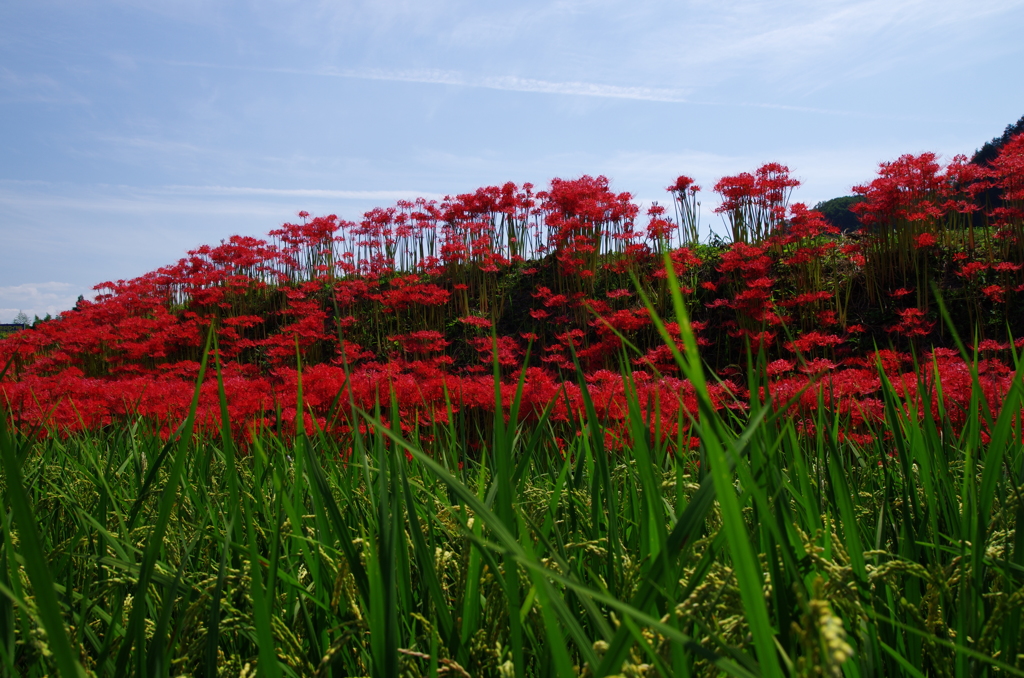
[408, 306]
[427, 399]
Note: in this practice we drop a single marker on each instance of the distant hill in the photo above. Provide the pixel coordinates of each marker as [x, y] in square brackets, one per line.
[837, 212]
[990, 150]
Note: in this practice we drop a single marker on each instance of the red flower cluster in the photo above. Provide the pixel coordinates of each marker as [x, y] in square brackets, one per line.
[420, 299]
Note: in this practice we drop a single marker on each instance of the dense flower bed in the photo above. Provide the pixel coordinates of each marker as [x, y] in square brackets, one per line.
[408, 305]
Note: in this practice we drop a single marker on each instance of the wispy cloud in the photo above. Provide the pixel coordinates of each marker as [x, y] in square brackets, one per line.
[508, 83]
[798, 44]
[140, 203]
[34, 195]
[511, 83]
[299, 192]
[674, 48]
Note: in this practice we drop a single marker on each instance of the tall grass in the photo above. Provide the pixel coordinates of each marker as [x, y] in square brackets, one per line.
[771, 551]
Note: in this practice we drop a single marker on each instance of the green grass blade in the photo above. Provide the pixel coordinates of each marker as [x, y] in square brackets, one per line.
[269, 665]
[425, 560]
[31, 547]
[135, 632]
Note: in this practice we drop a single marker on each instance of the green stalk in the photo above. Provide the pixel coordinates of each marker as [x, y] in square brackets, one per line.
[48, 606]
[135, 631]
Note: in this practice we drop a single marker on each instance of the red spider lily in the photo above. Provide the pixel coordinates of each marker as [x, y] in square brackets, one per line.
[684, 193]
[1007, 170]
[476, 321]
[855, 254]
[807, 298]
[336, 288]
[624, 321]
[758, 340]
[596, 306]
[805, 224]
[541, 293]
[827, 318]
[424, 341]
[992, 345]
[755, 204]
[809, 341]
[995, 293]
[750, 261]
[972, 269]
[585, 217]
[509, 350]
[818, 366]
[683, 183]
[909, 188]
[777, 367]
[408, 291]
[912, 323]
[683, 259]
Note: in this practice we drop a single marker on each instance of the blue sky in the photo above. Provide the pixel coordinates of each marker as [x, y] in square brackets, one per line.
[131, 131]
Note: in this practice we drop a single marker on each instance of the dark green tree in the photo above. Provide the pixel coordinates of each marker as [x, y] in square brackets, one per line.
[837, 212]
[991, 197]
[990, 150]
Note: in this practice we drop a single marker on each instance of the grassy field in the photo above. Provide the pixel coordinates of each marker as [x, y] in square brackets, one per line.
[777, 548]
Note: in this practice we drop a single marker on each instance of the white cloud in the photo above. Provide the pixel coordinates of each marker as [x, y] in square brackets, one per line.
[386, 195]
[39, 299]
